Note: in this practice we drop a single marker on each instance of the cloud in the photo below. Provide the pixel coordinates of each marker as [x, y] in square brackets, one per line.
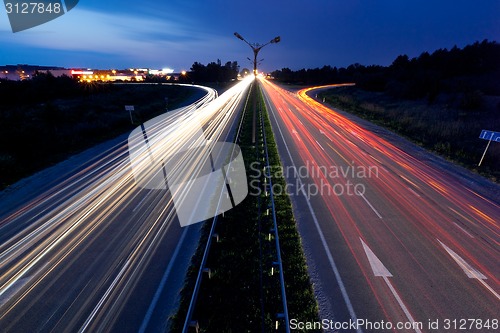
[85, 29]
[144, 38]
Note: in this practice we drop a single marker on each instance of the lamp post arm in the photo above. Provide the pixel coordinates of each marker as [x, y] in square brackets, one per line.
[256, 48]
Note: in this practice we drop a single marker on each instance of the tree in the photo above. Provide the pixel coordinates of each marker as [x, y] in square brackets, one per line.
[214, 71]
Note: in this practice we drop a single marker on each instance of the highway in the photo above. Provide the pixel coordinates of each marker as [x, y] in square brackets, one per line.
[87, 250]
[391, 236]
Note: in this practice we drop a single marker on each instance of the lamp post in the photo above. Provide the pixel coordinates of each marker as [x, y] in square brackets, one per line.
[256, 47]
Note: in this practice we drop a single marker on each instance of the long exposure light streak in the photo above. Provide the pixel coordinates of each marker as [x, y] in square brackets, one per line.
[172, 152]
[72, 255]
[400, 210]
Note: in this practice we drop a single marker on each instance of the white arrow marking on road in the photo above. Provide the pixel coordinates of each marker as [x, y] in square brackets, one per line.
[377, 266]
[380, 270]
[321, 132]
[468, 269]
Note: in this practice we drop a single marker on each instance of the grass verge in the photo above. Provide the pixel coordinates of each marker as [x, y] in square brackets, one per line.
[36, 133]
[243, 291]
[441, 127]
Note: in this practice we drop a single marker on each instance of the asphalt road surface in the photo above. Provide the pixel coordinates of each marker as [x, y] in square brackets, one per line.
[86, 250]
[394, 237]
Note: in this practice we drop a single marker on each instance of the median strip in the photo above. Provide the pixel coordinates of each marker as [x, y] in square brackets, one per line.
[241, 290]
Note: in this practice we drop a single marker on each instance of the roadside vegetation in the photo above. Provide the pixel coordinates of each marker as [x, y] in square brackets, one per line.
[444, 128]
[214, 74]
[243, 292]
[46, 119]
[440, 101]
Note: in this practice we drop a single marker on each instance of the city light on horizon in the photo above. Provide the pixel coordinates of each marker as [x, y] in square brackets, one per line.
[94, 35]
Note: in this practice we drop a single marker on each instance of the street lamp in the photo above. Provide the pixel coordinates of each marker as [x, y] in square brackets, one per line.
[256, 47]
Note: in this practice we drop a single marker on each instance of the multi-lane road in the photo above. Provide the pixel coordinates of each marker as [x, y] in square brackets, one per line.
[83, 249]
[392, 234]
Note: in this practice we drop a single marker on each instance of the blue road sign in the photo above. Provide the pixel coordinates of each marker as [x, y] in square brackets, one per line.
[490, 135]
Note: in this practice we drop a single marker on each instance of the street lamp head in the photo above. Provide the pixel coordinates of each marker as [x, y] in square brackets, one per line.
[256, 48]
[238, 36]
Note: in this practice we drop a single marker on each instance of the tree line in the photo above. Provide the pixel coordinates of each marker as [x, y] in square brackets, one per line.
[45, 119]
[472, 68]
[213, 72]
[40, 88]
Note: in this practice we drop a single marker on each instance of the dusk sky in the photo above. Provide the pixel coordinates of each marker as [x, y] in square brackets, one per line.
[176, 33]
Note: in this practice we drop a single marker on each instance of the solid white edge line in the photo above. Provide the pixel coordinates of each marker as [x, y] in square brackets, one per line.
[335, 270]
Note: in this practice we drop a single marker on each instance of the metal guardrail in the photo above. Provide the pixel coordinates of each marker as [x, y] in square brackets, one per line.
[189, 322]
[278, 262]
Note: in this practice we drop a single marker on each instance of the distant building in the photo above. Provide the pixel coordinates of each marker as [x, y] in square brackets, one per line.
[9, 75]
[107, 75]
[57, 72]
[23, 72]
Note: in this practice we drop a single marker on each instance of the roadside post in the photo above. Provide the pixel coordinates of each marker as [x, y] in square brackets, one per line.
[490, 136]
[130, 108]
